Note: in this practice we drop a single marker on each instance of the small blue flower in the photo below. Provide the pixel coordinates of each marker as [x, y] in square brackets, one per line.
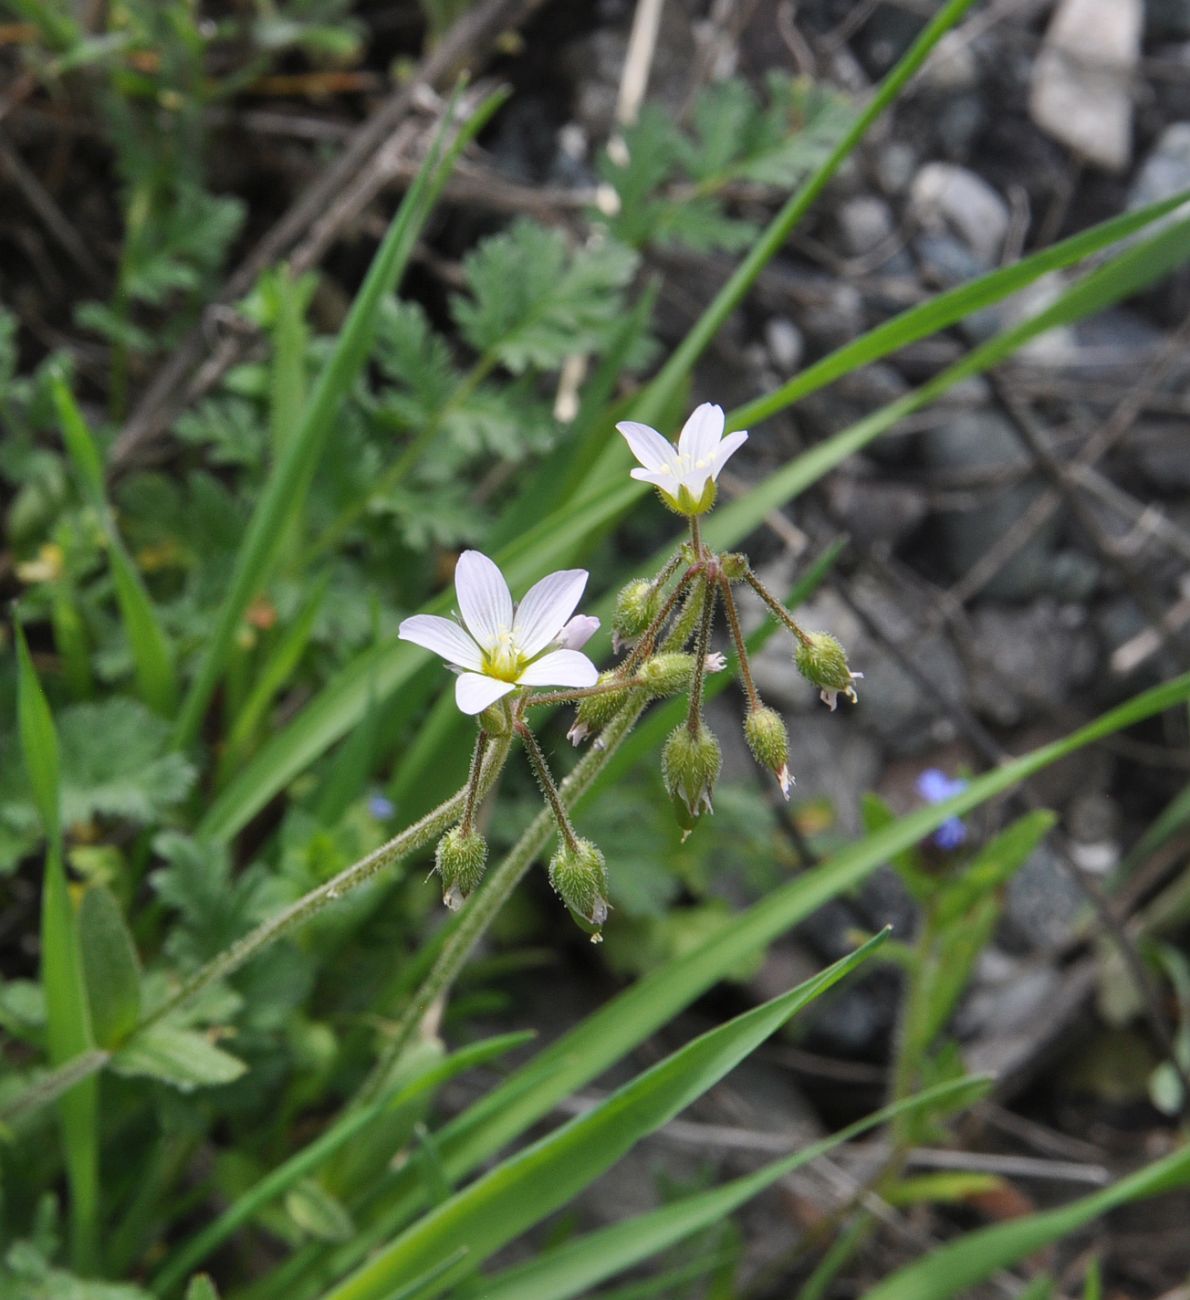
[380, 807]
[935, 786]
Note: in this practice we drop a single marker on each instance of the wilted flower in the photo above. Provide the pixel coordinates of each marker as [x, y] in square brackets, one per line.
[684, 475]
[935, 786]
[822, 660]
[499, 649]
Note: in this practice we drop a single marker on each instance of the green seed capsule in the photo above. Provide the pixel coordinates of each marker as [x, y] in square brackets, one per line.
[690, 766]
[579, 878]
[460, 860]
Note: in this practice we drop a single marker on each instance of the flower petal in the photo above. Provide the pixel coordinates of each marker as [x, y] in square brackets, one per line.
[474, 692]
[667, 482]
[576, 633]
[484, 599]
[444, 637]
[727, 448]
[701, 433]
[560, 668]
[547, 605]
[647, 445]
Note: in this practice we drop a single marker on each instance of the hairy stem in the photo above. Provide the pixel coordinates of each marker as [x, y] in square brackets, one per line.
[741, 646]
[545, 779]
[701, 647]
[775, 605]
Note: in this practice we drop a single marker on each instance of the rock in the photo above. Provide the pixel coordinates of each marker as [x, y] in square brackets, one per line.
[874, 511]
[976, 444]
[1043, 903]
[1082, 93]
[1024, 656]
[945, 196]
[1166, 170]
[952, 66]
[1167, 20]
[785, 343]
[896, 165]
[1161, 450]
[866, 227]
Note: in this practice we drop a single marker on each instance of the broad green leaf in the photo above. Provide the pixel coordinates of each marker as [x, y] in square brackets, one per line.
[528, 1186]
[281, 498]
[951, 1269]
[183, 1058]
[111, 970]
[576, 1267]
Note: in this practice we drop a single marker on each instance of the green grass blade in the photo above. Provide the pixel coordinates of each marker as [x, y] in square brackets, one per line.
[69, 1030]
[576, 1267]
[532, 1184]
[110, 967]
[951, 1269]
[661, 390]
[287, 484]
[948, 308]
[304, 1162]
[1124, 275]
[152, 654]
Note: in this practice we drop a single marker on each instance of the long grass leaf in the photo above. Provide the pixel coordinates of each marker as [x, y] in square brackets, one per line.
[526, 1188]
[69, 1029]
[949, 1270]
[575, 1267]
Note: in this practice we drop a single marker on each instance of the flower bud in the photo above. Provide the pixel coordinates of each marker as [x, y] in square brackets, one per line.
[637, 606]
[823, 661]
[594, 712]
[460, 859]
[769, 742]
[733, 565]
[690, 766]
[667, 674]
[579, 878]
[494, 719]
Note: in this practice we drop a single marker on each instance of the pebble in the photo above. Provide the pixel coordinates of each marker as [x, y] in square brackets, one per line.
[1167, 20]
[1166, 170]
[1082, 79]
[946, 196]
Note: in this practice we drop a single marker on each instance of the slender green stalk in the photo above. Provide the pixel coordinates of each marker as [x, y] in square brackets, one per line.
[701, 648]
[741, 646]
[545, 779]
[775, 605]
[473, 778]
[483, 906]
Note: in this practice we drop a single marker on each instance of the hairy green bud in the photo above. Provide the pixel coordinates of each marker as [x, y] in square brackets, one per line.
[594, 712]
[579, 878]
[494, 719]
[667, 674]
[823, 661]
[733, 565]
[690, 766]
[460, 859]
[637, 605]
[769, 742]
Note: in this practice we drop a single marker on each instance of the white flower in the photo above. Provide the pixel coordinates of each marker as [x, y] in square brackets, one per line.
[576, 633]
[684, 475]
[499, 649]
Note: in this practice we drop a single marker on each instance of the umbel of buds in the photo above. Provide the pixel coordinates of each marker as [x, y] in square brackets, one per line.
[578, 874]
[690, 765]
[460, 859]
[823, 661]
[769, 743]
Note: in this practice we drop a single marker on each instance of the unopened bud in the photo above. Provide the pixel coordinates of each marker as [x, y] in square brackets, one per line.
[823, 661]
[494, 719]
[690, 766]
[733, 565]
[667, 674]
[769, 742]
[594, 712]
[579, 877]
[636, 607]
[460, 859]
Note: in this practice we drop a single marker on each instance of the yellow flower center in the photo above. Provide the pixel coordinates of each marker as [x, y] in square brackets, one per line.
[504, 661]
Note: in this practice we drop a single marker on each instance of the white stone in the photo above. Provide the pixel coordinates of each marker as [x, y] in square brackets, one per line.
[1082, 80]
[946, 196]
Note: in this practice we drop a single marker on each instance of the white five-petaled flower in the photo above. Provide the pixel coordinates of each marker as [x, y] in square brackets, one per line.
[498, 648]
[684, 475]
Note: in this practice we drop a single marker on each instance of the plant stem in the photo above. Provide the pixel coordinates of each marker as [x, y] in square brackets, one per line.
[546, 780]
[701, 647]
[741, 646]
[775, 605]
[482, 907]
[696, 537]
[481, 743]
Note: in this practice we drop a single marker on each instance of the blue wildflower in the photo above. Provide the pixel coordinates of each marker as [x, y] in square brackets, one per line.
[380, 807]
[935, 786]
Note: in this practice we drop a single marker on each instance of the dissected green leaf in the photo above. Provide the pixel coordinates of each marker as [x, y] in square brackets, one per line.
[183, 1058]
